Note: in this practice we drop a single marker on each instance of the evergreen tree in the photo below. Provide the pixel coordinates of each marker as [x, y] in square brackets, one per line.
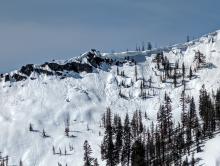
[96, 162]
[126, 149]
[199, 58]
[140, 124]
[175, 78]
[107, 146]
[138, 154]
[87, 154]
[117, 70]
[193, 119]
[217, 106]
[118, 141]
[20, 163]
[183, 113]
[30, 127]
[183, 71]
[149, 46]
[143, 46]
[207, 112]
[134, 124]
[193, 162]
[187, 38]
[186, 162]
[135, 72]
[190, 73]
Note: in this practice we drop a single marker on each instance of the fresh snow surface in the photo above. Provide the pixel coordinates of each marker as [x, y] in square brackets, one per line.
[48, 100]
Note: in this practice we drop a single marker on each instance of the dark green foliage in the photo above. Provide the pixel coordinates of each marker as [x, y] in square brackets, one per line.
[118, 141]
[107, 146]
[126, 150]
[138, 153]
[87, 154]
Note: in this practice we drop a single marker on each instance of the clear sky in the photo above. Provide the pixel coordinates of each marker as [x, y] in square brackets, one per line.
[34, 31]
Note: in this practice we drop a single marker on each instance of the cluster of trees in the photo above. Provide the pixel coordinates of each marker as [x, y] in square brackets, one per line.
[199, 59]
[165, 142]
[4, 160]
[145, 84]
[59, 151]
[143, 47]
[43, 133]
[174, 71]
[116, 146]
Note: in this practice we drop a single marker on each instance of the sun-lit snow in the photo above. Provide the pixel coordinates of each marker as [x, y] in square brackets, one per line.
[47, 101]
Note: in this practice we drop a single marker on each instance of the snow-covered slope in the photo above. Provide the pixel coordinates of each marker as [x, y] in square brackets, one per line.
[46, 101]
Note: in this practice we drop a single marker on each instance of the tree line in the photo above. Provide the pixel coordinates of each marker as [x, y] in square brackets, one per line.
[164, 142]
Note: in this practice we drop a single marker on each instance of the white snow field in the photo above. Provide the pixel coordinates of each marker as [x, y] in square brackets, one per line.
[47, 101]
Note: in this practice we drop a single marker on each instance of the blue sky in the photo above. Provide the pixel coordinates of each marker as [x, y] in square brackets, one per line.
[34, 31]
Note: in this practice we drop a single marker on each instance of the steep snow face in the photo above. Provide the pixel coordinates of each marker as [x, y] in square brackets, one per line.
[47, 101]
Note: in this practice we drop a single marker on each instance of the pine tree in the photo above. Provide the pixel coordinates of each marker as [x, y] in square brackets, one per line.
[126, 149]
[43, 133]
[187, 38]
[184, 113]
[30, 127]
[96, 162]
[193, 162]
[190, 73]
[118, 141]
[193, 119]
[217, 106]
[175, 78]
[135, 72]
[199, 58]
[140, 125]
[20, 163]
[198, 138]
[107, 146]
[183, 71]
[168, 116]
[186, 162]
[207, 112]
[54, 152]
[87, 154]
[138, 154]
[134, 124]
[143, 46]
[158, 60]
[149, 46]
[117, 70]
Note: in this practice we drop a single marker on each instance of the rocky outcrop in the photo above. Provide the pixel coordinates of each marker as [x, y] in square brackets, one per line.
[94, 60]
[27, 70]
[73, 66]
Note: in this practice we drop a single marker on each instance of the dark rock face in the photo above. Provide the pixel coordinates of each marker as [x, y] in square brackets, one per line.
[77, 67]
[41, 71]
[73, 66]
[27, 70]
[57, 69]
[94, 60]
[54, 66]
[7, 78]
[18, 77]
